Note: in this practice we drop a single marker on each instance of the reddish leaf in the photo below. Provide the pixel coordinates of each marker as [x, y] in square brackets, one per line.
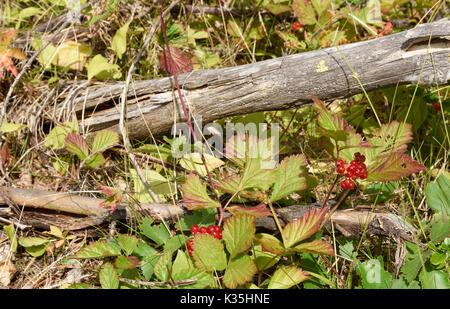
[5, 153]
[393, 166]
[77, 145]
[256, 211]
[315, 246]
[181, 61]
[270, 243]
[304, 227]
[6, 53]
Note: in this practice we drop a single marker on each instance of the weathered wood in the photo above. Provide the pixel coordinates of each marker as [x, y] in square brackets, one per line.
[419, 55]
[72, 212]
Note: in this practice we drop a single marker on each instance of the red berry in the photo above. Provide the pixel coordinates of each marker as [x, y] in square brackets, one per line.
[340, 162]
[350, 184]
[217, 228]
[211, 229]
[194, 229]
[437, 106]
[203, 230]
[295, 26]
[341, 169]
[362, 158]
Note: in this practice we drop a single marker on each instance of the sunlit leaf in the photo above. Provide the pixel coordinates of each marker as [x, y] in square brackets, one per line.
[240, 270]
[290, 177]
[286, 277]
[102, 69]
[391, 167]
[8, 127]
[193, 162]
[437, 194]
[104, 139]
[73, 55]
[304, 227]
[238, 233]
[304, 12]
[195, 195]
[119, 41]
[208, 253]
[315, 246]
[109, 279]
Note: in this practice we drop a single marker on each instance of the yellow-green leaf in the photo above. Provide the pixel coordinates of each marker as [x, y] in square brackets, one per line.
[119, 41]
[193, 162]
[195, 195]
[238, 233]
[208, 253]
[286, 277]
[240, 270]
[8, 127]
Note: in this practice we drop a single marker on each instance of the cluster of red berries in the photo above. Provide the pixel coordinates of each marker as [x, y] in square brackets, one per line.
[296, 26]
[356, 169]
[213, 230]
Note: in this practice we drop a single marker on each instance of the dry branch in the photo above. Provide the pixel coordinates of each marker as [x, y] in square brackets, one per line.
[72, 212]
[415, 56]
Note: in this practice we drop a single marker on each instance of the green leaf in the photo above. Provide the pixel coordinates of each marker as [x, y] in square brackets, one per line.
[175, 242]
[315, 246]
[238, 233]
[347, 251]
[193, 162]
[158, 233]
[255, 176]
[373, 275]
[290, 177]
[434, 279]
[163, 266]
[128, 243]
[440, 229]
[77, 145]
[391, 137]
[48, 56]
[304, 227]
[119, 41]
[320, 5]
[195, 195]
[204, 279]
[32, 241]
[148, 266]
[10, 232]
[243, 147]
[57, 136]
[158, 183]
[240, 270]
[144, 250]
[304, 12]
[181, 263]
[109, 279]
[263, 259]
[126, 263]
[96, 250]
[437, 195]
[104, 139]
[208, 253]
[100, 68]
[8, 127]
[287, 276]
[96, 160]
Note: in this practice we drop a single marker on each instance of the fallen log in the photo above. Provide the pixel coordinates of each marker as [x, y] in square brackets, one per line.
[415, 56]
[70, 211]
